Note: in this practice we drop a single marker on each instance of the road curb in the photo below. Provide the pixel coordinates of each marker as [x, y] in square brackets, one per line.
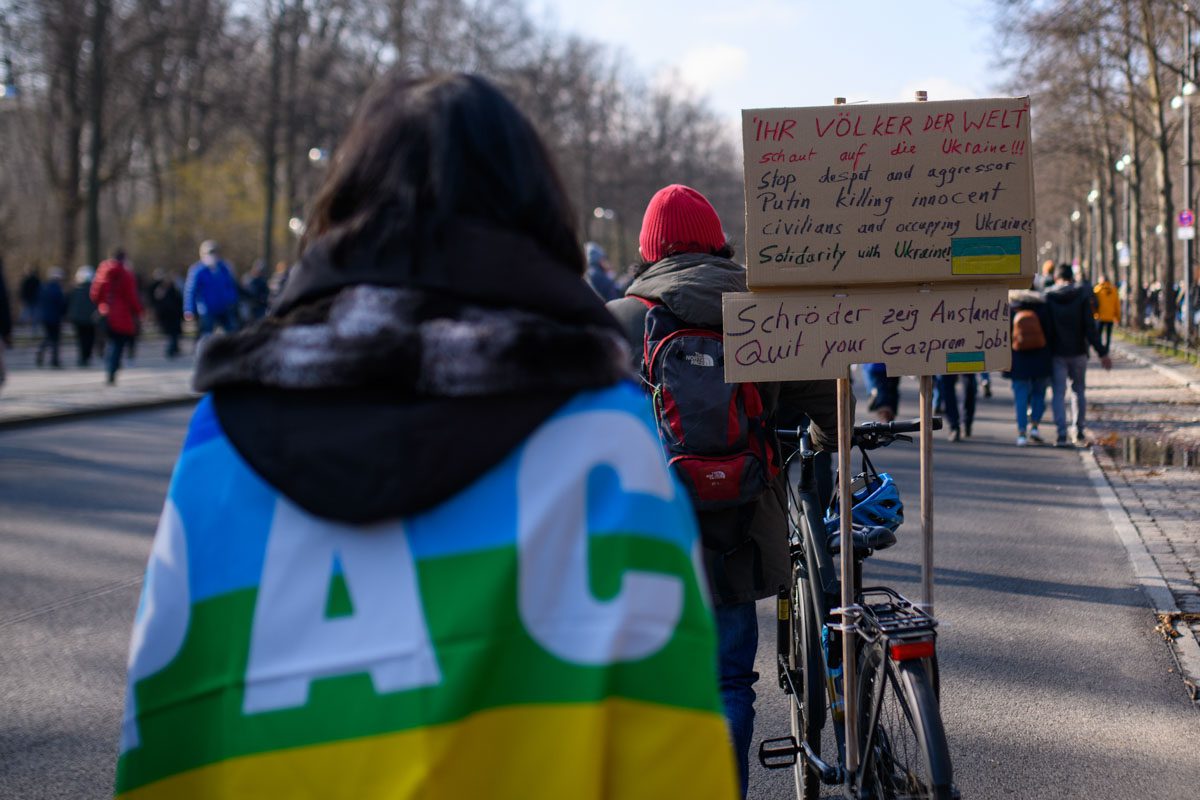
[66, 415]
[1186, 650]
[1166, 372]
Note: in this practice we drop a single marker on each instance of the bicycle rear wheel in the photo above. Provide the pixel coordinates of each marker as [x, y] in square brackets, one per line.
[808, 707]
[904, 752]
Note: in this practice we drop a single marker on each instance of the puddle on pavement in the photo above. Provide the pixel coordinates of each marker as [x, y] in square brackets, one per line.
[1141, 452]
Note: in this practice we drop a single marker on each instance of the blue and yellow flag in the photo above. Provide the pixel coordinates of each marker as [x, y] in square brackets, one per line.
[543, 634]
[985, 255]
[965, 362]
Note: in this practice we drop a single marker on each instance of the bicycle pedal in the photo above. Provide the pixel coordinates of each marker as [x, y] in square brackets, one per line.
[778, 753]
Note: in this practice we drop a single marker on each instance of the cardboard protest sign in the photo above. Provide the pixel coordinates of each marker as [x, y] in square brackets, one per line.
[889, 193]
[794, 335]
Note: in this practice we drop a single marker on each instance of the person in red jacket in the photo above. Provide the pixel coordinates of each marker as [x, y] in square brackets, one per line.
[114, 291]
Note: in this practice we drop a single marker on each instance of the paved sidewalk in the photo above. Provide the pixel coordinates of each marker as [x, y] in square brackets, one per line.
[33, 394]
[1146, 420]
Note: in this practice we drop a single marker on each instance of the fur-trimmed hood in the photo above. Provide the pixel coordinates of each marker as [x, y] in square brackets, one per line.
[1025, 297]
[363, 402]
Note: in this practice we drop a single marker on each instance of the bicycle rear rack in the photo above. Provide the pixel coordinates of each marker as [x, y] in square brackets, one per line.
[888, 613]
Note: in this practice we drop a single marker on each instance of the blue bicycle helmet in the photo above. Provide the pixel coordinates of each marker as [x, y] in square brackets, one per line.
[876, 503]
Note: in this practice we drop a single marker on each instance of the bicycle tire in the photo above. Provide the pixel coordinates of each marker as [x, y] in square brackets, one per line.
[807, 710]
[906, 755]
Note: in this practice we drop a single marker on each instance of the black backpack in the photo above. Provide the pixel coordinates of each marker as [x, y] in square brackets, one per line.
[715, 433]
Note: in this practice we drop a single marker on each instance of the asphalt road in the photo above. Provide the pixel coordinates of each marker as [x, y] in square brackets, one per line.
[79, 502]
[1054, 683]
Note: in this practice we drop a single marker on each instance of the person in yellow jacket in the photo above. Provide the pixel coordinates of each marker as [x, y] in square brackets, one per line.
[1108, 308]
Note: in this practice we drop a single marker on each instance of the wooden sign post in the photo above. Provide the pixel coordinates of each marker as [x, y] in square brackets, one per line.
[890, 234]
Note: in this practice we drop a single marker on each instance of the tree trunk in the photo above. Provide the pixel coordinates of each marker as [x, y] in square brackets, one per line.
[1162, 143]
[290, 121]
[65, 167]
[1133, 174]
[96, 118]
[68, 210]
[397, 31]
[270, 135]
[1111, 208]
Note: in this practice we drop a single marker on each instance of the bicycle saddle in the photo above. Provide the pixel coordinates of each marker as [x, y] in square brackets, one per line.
[866, 541]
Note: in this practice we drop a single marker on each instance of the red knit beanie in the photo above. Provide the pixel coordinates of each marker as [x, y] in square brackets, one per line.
[679, 220]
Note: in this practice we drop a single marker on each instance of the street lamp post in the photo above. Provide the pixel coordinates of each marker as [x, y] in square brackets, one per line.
[1182, 101]
[1092, 197]
[1125, 253]
[1189, 82]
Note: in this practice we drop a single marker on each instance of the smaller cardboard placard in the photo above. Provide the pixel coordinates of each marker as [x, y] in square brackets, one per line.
[803, 335]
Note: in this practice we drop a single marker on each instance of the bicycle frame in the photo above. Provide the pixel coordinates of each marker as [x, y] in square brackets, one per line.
[893, 621]
[823, 593]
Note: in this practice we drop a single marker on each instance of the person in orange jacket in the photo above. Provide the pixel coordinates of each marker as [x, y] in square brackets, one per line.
[114, 291]
[1108, 308]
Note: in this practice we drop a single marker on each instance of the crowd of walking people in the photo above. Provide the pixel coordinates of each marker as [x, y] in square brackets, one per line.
[1056, 323]
[108, 308]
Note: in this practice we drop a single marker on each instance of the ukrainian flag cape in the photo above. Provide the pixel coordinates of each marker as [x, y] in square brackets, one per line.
[542, 634]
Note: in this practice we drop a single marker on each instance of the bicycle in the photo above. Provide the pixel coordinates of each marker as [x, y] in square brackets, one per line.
[902, 742]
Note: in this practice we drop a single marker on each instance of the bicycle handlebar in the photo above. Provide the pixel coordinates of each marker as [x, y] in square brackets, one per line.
[870, 434]
[890, 428]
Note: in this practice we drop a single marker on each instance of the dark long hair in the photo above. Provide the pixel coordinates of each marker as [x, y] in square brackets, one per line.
[420, 154]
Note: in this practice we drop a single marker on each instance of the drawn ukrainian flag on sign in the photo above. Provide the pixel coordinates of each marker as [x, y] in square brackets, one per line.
[985, 255]
[965, 362]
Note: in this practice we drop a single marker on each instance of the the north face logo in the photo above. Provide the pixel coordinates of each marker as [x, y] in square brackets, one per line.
[701, 360]
[716, 475]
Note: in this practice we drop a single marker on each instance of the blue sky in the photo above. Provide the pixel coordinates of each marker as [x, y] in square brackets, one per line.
[768, 53]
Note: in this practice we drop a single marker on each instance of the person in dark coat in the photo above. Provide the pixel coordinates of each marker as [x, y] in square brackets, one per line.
[958, 419]
[1031, 368]
[1074, 329]
[688, 266]
[166, 299]
[6, 322]
[885, 391]
[82, 314]
[51, 308]
[29, 292]
[598, 274]
[256, 291]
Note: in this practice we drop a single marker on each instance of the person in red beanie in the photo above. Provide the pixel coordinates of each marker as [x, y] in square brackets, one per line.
[687, 266]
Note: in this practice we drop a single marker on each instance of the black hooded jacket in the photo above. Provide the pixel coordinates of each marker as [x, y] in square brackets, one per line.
[745, 550]
[5, 307]
[1071, 314]
[378, 389]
